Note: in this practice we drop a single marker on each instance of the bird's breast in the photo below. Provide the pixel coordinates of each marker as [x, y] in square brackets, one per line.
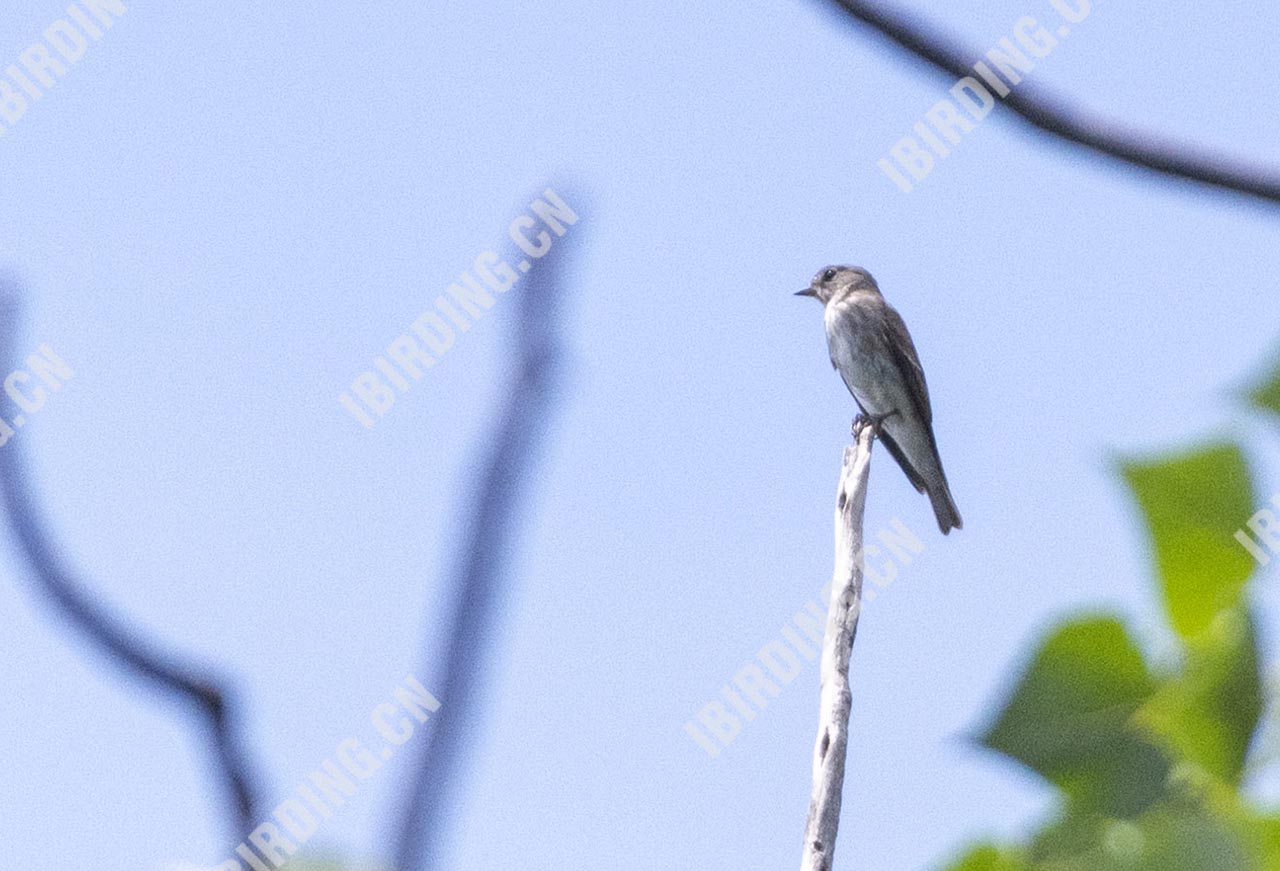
[858, 351]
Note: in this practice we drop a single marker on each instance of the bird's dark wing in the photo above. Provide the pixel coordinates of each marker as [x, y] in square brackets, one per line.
[896, 452]
[908, 363]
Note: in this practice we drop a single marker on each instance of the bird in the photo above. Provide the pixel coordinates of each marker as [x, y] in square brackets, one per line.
[873, 352]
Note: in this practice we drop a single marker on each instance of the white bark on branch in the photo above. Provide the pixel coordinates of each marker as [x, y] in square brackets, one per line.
[842, 625]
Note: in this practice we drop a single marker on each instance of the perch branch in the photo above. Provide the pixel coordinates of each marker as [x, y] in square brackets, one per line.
[837, 645]
[1066, 122]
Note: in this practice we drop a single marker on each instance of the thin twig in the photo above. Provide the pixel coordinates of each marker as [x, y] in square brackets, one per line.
[837, 645]
[1062, 120]
[172, 673]
[493, 520]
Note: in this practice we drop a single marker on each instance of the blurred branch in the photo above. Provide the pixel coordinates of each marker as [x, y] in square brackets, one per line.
[493, 519]
[832, 744]
[1062, 120]
[169, 672]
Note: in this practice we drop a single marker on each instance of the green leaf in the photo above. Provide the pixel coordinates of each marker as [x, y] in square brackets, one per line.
[1267, 394]
[989, 858]
[1185, 837]
[1187, 832]
[1209, 712]
[1069, 840]
[1194, 503]
[1071, 719]
[1265, 832]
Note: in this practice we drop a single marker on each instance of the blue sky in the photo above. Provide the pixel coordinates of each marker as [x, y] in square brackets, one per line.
[221, 217]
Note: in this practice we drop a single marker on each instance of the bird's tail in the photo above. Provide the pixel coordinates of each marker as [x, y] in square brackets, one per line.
[944, 508]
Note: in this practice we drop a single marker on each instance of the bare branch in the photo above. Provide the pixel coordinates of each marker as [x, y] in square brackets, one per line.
[837, 646]
[168, 671]
[1060, 119]
[493, 521]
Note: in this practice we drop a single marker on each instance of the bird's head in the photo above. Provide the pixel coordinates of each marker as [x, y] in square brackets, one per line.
[836, 282]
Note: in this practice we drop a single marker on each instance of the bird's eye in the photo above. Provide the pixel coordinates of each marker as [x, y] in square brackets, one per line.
[828, 275]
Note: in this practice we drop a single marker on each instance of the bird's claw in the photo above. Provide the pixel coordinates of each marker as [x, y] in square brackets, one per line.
[875, 421]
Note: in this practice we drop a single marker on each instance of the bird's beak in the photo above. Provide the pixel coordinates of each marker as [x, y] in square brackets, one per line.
[808, 291]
